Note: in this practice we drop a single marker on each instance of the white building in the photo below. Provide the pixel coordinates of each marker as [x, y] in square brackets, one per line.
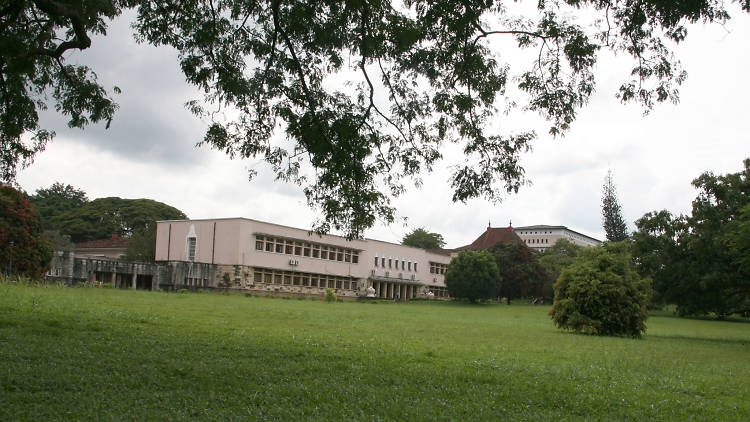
[274, 259]
[541, 237]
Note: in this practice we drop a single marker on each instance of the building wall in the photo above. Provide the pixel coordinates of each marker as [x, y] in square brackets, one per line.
[240, 247]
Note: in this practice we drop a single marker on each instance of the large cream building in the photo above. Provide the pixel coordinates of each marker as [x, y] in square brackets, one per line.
[276, 259]
[541, 237]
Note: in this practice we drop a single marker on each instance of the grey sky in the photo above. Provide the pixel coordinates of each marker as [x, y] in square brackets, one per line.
[149, 150]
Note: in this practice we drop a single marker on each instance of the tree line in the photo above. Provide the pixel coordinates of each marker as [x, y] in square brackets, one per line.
[56, 217]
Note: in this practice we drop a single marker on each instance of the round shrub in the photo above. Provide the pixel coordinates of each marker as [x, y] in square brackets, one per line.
[600, 293]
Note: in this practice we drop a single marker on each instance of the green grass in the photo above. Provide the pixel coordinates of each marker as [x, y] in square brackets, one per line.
[103, 354]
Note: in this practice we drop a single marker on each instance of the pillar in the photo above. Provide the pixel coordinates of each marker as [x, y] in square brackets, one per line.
[114, 278]
[135, 275]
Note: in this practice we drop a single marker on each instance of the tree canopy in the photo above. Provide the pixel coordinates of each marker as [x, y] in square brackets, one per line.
[21, 237]
[103, 217]
[473, 275]
[368, 92]
[614, 224]
[699, 261]
[55, 200]
[555, 259]
[421, 238]
[521, 274]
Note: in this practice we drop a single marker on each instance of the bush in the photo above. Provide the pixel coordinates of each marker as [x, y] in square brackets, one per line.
[23, 245]
[600, 293]
[473, 275]
[330, 295]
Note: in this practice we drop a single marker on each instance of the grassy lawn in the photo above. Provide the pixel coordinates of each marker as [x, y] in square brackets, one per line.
[102, 354]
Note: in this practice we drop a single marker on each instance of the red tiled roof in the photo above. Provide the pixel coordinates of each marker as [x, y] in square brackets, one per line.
[491, 237]
[112, 243]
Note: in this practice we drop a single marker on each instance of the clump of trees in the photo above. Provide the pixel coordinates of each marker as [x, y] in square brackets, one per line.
[68, 215]
[24, 249]
[554, 260]
[601, 293]
[701, 261]
[474, 276]
[421, 238]
[522, 275]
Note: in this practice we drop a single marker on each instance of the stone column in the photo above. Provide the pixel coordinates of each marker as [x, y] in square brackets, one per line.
[135, 275]
[114, 278]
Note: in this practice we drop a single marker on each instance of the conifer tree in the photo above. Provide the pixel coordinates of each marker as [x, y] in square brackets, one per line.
[614, 224]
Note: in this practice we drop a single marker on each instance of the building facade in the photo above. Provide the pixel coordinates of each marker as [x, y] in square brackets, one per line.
[274, 259]
[541, 237]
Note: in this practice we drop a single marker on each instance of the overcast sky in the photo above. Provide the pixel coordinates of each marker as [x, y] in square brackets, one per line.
[149, 150]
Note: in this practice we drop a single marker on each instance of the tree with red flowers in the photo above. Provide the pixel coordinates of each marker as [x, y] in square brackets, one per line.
[24, 249]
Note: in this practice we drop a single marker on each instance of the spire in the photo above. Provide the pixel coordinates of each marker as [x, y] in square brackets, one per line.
[510, 224]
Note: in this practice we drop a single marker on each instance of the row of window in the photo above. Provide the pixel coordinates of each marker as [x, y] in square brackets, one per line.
[270, 276]
[439, 291]
[536, 240]
[299, 248]
[405, 265]
[438, 268]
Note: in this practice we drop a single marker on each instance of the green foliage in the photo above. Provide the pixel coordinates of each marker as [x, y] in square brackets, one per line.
[554, 260]
[699, 261]
[30, 251]
[519, 268]
[103, 217]
[614, 224]
[421, 74]
[473, 275]
[602, 294]
[330, 295]
[56, 200]
[421, 238]
[142, 245]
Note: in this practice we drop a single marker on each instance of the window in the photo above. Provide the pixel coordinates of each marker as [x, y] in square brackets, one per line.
[267, 277]
[409, 265]
[298, 248]
[306, 250]
[339, 255]
[277, 278]
[355, 258]
[316, 251]
[324, 252]
[415, 267]
[390, 262]
[382, 262]
[347, 256]
[376, 261]
[279, 246]
[354, 285]
[259, 243]
[338, 283]
[269, 244]
[346, 285]
[403, 265]
[191, 248]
